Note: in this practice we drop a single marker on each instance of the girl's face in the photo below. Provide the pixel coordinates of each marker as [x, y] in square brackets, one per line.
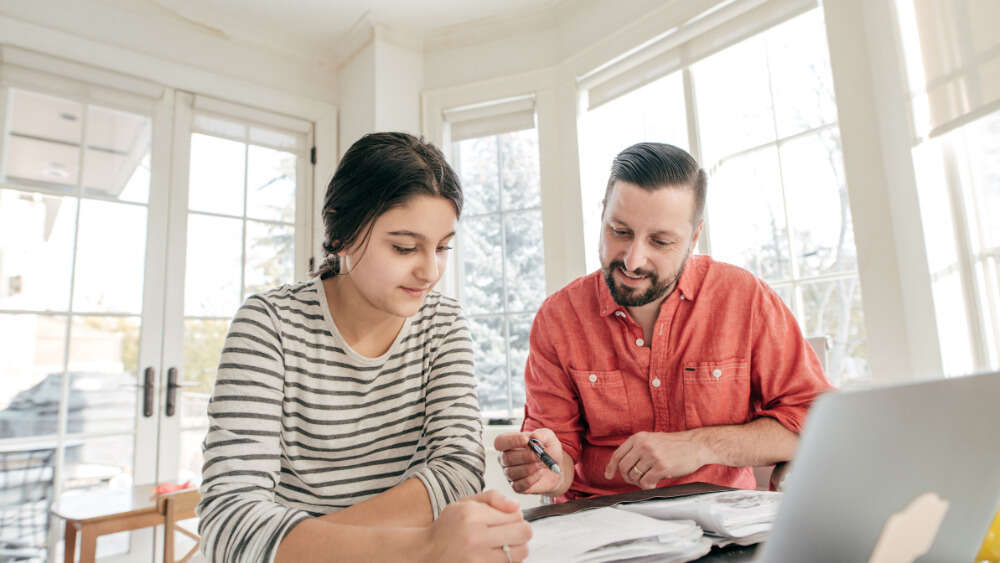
[404, 256]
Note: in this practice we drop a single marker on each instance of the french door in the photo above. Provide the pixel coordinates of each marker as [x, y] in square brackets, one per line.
[131, 228]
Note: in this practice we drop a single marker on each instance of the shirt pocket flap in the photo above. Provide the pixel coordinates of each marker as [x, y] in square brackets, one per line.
[593, 378]
[717, 371]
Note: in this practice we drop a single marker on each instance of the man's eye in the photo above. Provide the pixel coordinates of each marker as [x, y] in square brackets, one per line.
[619, 232]
[662, 243]
[403, 249]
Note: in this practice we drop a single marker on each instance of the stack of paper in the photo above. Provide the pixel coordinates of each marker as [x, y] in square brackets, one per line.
[607, 534]
[743, 516]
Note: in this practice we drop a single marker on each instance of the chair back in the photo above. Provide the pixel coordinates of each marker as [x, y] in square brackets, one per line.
[26, 490]
[176, 506]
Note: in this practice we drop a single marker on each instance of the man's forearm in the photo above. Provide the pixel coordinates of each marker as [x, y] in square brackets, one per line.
[763, 441]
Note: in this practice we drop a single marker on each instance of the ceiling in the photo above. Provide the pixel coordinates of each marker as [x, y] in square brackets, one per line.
[316, 29]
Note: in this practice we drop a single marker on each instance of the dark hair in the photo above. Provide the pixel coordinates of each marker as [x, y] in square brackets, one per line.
[652, 166]
[380, 171]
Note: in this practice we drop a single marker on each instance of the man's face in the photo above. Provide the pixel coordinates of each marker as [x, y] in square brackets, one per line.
[646, 238]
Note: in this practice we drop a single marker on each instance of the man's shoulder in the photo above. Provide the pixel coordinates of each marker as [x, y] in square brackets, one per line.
[716, 274]
[581, 292]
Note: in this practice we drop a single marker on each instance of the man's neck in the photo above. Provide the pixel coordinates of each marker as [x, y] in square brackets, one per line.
[647, 314]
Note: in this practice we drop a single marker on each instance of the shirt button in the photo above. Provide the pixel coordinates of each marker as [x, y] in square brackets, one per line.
[656, 382]
[592, 378]
[639, 342]
[717, 373]
[620, 313]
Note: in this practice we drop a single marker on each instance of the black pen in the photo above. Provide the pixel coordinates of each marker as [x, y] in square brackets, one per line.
[536, 447]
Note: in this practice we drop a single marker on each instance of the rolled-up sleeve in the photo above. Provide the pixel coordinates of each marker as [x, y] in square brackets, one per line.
[453, 427]
[787, 376]
[239, 518]
[551, 400]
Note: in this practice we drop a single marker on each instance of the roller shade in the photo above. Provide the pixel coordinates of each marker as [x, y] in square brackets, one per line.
[959, 61]
[707, 28]
[493, 118]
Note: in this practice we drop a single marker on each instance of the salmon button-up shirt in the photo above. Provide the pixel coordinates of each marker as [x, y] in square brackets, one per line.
[725, 350]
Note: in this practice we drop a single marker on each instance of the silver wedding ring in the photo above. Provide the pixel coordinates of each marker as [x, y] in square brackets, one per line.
[506, 551]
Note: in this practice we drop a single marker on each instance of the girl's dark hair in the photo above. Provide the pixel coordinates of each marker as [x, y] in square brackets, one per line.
[380, 171]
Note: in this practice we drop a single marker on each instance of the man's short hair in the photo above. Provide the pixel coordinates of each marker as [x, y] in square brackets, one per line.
[653, 166]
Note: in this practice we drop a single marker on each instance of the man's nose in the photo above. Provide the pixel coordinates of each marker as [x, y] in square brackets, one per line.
[635, 257]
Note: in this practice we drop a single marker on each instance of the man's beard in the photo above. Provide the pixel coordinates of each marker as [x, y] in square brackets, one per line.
[627, 297]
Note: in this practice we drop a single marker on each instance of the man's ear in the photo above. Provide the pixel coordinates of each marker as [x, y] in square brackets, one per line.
[697, 233]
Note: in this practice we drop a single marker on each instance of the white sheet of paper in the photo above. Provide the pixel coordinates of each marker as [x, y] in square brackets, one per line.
[565, 538]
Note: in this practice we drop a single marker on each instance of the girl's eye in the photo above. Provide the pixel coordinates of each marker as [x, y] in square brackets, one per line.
[403, 249]
[443, 248]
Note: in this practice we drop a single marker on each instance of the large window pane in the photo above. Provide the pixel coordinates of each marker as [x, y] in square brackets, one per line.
[116, 159]
[746, 215]
[800, 74]
[654, 112]
[103, 364]
[43, 141]
[33, 349]
[519, 328]
[270, 256]
[203, 340]
[519, 169]
[491, 363]
[270, 184]
[218, 168]
[477, 166]
[734, 100]
[525, 261]
[110, 257]
[36, 250]
[214, 261]
[818, 204]
[833, 309]
[481, 274]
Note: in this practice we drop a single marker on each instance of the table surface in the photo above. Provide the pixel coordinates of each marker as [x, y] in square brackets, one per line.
[92, 506]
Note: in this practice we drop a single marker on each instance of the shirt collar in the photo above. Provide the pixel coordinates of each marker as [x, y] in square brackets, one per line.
[688, 286]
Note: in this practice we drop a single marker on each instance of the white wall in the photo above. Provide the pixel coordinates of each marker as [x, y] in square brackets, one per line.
[356, 79]
[399, 80]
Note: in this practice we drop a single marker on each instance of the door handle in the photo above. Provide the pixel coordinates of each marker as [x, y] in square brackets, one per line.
[148, 382]
[172, 387]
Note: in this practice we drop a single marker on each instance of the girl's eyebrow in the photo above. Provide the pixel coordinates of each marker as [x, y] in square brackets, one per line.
[416, 235]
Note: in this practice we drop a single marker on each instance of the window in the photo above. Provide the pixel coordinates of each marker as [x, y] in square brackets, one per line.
[958, 178]
[501, 278]
[762, 118]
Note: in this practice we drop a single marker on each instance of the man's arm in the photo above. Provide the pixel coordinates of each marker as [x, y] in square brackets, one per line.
[647, 458]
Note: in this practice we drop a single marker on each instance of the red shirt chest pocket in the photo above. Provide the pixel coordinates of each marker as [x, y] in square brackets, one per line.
[716, 393]
[604, 402]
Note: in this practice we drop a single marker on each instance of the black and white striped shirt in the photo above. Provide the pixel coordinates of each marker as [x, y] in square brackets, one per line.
[302, 425]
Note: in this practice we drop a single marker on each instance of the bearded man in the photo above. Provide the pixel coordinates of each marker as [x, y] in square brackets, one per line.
[661, 368]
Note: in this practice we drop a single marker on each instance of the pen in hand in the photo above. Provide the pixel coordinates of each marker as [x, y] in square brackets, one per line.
[536, 447]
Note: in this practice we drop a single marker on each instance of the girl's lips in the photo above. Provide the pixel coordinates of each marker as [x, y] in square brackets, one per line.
[414, 292]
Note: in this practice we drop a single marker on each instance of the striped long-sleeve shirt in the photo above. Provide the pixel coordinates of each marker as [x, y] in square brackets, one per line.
[302, 425]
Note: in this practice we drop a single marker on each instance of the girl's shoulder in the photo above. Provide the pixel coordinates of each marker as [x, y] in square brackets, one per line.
[438, 312]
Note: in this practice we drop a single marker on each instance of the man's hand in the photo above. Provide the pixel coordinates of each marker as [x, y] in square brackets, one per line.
[525, 472]
[647, 458]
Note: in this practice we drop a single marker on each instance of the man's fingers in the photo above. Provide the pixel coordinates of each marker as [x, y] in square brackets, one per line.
[515, 472]
[613, 463]
[524, 484]
[511, 440]
[518, 456]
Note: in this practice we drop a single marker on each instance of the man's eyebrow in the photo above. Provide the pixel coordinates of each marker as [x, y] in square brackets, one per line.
[661, 233]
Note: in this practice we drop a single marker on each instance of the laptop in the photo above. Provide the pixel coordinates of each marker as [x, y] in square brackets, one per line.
[900, 473]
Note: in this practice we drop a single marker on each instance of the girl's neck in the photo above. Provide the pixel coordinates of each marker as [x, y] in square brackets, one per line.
[367, 330]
